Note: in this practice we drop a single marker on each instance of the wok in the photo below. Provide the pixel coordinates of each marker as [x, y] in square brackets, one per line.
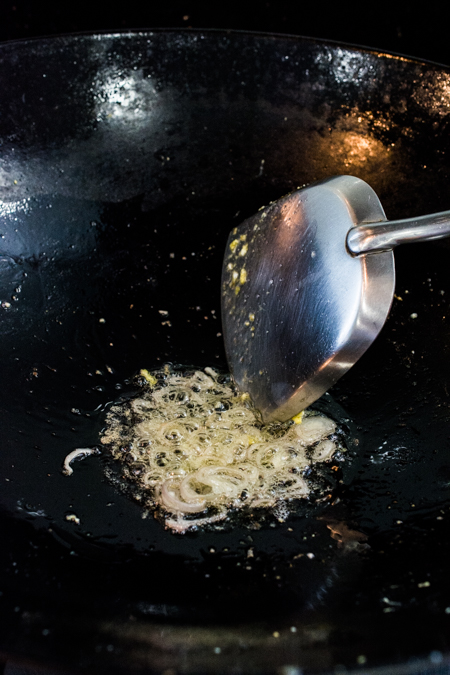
[125, 161]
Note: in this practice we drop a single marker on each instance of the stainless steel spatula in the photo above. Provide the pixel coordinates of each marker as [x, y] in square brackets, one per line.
[307, 285]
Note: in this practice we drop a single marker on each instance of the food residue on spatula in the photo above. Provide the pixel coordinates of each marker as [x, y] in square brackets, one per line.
[194, 450]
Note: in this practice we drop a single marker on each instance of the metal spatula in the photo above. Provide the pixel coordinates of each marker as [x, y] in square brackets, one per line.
[307, 285]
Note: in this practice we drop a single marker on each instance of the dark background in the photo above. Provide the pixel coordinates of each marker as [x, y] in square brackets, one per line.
[419, 30]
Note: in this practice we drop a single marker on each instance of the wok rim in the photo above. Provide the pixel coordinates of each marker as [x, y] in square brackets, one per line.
[352, 46]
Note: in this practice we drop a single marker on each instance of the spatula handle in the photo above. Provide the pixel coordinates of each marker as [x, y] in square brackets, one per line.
[386, 235]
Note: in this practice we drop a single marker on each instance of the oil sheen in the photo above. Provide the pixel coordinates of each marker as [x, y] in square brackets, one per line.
[196, 449]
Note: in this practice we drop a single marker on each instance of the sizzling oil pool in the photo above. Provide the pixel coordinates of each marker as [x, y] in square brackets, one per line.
[193, 451]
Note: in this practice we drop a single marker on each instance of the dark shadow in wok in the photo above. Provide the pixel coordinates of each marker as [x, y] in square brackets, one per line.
[126, 160]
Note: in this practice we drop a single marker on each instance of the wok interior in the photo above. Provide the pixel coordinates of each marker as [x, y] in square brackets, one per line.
[126, 160]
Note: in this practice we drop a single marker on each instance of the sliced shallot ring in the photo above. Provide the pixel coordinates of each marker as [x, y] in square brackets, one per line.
[220, 479]
[79, 452]
[246, 468]
[187, 493]
[324, 451]
[174, 503]
[182, 525]
[208, 470]
[314, 428]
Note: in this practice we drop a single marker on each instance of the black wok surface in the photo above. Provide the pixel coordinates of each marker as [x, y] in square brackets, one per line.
[125, 161]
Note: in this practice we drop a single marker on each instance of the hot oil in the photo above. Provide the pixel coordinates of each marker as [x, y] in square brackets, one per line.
[88, 315]
[194, 453]
[109, 310]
